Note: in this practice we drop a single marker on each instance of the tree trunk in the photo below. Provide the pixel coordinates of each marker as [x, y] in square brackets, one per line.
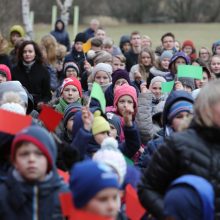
[26, 18]
[65, 7]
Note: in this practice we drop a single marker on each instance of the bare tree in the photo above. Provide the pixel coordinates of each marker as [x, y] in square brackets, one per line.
[65, 10]
[26, 18]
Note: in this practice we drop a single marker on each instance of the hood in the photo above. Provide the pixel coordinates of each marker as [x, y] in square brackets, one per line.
[176, 56]
[55, 27]
[172, 98]
[19, 29]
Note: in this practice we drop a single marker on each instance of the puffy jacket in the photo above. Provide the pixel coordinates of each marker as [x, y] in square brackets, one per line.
[194, 151]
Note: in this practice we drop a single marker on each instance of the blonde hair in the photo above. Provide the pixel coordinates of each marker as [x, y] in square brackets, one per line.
[120, 57]
[207, 98]
[49, 42]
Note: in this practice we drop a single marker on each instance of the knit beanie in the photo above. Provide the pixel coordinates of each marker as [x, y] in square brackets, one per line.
[71, 81]
[70, 65]
[80, 37]
[178, 107]
[102, 67]
[70, 111]
[187, 81]
[125, 90]
[188, 43]
[6, 71]
[39, 137]
[99, 124]
[120, 74]
[115, 121]
[110, 155]
[157, 79]
[166, 54]
[14, 86]
[88, 178]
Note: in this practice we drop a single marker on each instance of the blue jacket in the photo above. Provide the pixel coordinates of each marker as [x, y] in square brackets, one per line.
[24, 201]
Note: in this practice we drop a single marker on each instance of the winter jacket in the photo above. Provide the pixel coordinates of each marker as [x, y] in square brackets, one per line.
[61, 36]
[194, 151]
[36, 81]
[131, 59]
[24, 201]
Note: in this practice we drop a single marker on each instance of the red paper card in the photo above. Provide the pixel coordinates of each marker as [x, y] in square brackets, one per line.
[12, 123]
[50, 117]
[65, 175]
[134, 209]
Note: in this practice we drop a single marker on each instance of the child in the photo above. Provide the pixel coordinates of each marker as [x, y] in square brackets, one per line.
[189, 49]
[118, 62]
[71, 91]
[33, 183]
[71, 69]
[215, 65]
[95, 188]
[5, 73]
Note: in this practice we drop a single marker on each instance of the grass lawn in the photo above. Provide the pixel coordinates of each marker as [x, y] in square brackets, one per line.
[201, 34]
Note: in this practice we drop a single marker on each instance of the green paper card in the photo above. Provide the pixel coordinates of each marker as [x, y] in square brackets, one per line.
[167, 86]
[189, 71]
[98, 94]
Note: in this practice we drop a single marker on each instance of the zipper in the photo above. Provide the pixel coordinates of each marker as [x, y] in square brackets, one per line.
[35, 203]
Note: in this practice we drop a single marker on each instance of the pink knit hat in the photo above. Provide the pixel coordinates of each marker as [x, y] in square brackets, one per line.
[126, 89]
[6, 70]
[71, 81]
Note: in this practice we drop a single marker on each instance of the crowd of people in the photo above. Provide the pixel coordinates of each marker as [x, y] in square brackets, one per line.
[164, 144]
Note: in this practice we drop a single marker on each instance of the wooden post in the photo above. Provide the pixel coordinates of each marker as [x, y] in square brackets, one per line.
[75, 20]
[32, 18]
[53, 16]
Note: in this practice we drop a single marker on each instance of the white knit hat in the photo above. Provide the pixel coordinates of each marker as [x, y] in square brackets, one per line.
[102, 67]
[109, 154]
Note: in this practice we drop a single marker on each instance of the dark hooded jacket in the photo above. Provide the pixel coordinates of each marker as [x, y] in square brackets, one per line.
[62, 35]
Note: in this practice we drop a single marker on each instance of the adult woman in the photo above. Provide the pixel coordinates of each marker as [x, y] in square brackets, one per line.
[32, 74]
[194, 151]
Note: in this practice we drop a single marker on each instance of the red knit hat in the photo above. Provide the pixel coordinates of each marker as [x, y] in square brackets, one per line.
[6, 70]
[188, 43]
[72, 81]
[126, 89]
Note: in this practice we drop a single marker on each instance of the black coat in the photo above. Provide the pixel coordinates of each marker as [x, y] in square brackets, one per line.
[194, 151]
[37, 81]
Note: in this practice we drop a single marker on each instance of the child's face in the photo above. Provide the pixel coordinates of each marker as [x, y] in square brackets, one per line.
[117, 64]
[168, 43]
[70, 94]
[14, 37]
[126, 47]
[156, 89]
[71, 72]
[204, 54]
[2, 78]
[201, 82]
[113, 131]
[105, 203]
[217, 50]
[215, 65]
[179, 119]
[78, 46]
[120, 82]
[179, 61]
[99, 138]
[187, 50]
[125, 102]
[29, 53]
[146, 59]
[165, 63]
[101, 78]
[108, 49]
[30, 162]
